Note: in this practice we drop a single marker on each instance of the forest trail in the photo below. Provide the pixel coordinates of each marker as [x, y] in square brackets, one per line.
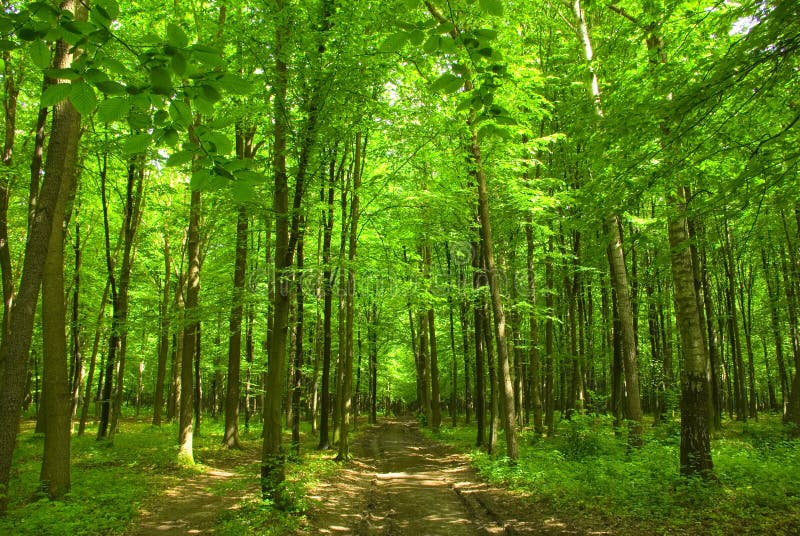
[194, 505]
[399, 483]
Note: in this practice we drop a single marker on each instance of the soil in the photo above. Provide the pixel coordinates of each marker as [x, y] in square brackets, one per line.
[396, 483]
[399, 483]
[194, 505]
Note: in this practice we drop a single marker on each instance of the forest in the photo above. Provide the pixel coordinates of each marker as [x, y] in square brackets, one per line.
[561, 236]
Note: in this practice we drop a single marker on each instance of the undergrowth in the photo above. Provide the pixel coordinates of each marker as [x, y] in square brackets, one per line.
[586, 469]
[109, 481]
[112, 481]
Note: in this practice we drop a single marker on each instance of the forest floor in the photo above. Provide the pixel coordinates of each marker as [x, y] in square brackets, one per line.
[195, 505]
[400, 483]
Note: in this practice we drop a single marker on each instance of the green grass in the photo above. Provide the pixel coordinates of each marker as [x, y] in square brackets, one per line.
[111, 481]
[585, 469]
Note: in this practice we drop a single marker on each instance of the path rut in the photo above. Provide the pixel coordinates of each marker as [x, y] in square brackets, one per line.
[399, 483]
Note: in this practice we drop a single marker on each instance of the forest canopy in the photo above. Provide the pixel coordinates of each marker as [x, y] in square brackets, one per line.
[512, 213]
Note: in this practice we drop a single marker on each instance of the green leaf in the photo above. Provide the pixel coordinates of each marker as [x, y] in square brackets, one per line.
[448, 82]
[411, 4]
[394, 42]
[488, 131]
[180, 112]
[235, 84]
[431, 45]
[243, 192]
[218, 143]
[447, 44]
[62, 74]
[210, 93]
[492, 7]
[176, 36]
[136, 144]
[83, 98]
[161, 80]
[110, 7]
[445, 28]
[178, 63]
[55, 94]
[113, 109]
[205, 181]
[171, 137]
[207, 55]
[417, 37]
[111, 88]
[179, 158]
[40, 54]
[505, 120]
[486, 34]
[114, 65]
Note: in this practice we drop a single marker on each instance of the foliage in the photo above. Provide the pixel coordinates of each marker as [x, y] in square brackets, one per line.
[586, 470]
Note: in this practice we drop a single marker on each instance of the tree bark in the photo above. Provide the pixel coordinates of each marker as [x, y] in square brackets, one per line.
[695, 451]
[163, 344]
[192, 321]
[629, 352]
[346, 394]
[509, 420]
[231, 437]
[59, 167]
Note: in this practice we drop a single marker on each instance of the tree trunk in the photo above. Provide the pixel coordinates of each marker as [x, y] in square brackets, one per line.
[190, 330]
[533, 343]
[231, 437]
[772, 295]
[163, 344]
[509, 420]
[10, 95]
[480, 371]
[14, 355]
[327, 289]
[346, 394]
[56, 404]
[695, 451]
[629, 352]
[297, 376]
[87, 397]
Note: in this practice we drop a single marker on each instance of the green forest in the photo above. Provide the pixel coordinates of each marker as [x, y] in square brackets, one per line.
[561, 238]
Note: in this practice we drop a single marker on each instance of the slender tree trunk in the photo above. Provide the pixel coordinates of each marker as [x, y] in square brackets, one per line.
[190, 330]
[549, 380]
[273, 471]
[231, 437]
[509, 420]
[772, 295]
[435, 400]
[327, 289]
[480, 374]
[346, 394]
[163, 344]
[297, 377]
[76, 357]
[56, 404]
[533, 348]
[453, 365]
[10, 95]
[695, 452]
[629, 352]
[87, 397]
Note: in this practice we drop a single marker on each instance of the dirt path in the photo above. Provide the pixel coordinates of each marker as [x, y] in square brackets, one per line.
[401, 484]
[193, 505]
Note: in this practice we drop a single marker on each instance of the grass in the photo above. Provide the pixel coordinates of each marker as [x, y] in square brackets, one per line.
[109, 481]
[586, 470]
[112, 481]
